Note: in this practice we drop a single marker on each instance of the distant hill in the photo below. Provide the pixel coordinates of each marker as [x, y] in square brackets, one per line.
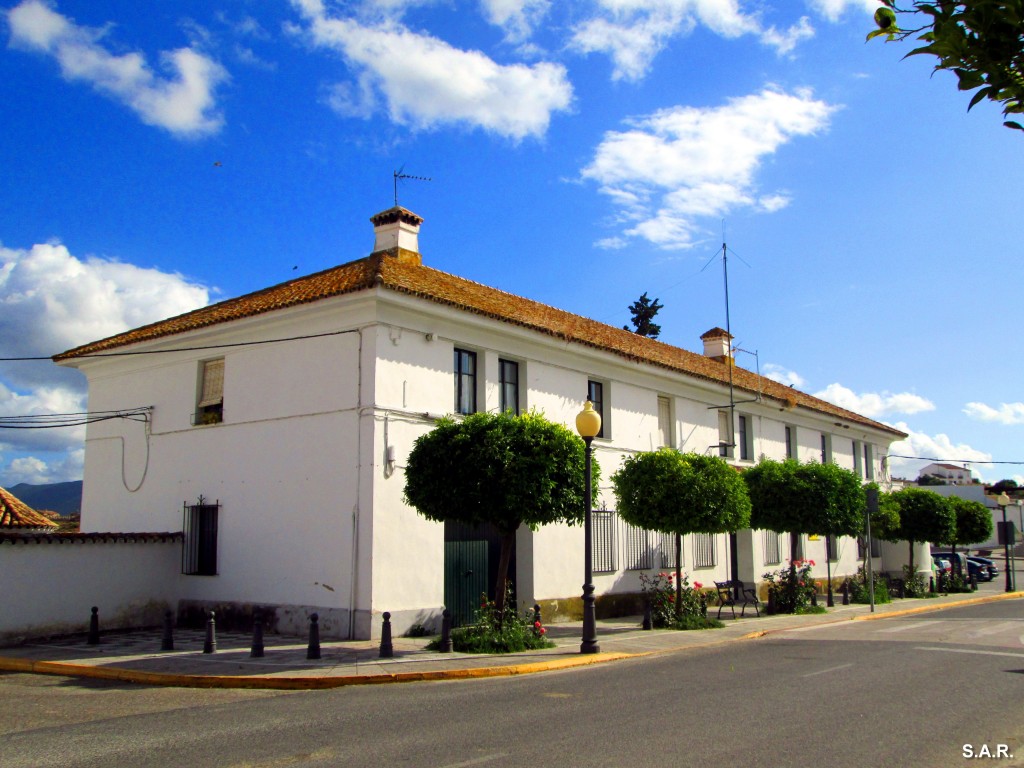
[65, 498]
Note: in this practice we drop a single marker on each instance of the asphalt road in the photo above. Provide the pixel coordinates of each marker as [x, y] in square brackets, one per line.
[895, 692]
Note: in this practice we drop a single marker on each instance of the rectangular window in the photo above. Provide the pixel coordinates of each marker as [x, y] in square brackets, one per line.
[465, 381]
[665, 431]
[603, 542]
[772, 549]
[858, 466]
[210, 405]
[639, 556]
[595, 394]
[668, 551]
[508, 379]
[832, 547]
[704, 554]
[745, 438]
[724, 435]
[826, 448]
[799, 553]
[790, 442]
[869, 462]
[199, 539]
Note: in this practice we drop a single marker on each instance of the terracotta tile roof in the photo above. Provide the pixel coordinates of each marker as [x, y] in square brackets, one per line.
[405, 276]
[16, 514]
[89, 538]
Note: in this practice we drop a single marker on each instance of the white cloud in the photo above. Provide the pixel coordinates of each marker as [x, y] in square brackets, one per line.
[50, 301]
[873, 404]
[517, 17]
[182, 103]
[930, 447]
[833, 10]
[1006, 413]
[35, 471]
[633, 32]
[783, 375]
[426, 82]
[680, 164]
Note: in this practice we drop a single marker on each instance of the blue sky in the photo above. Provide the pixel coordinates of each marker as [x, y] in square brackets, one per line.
[158, 156]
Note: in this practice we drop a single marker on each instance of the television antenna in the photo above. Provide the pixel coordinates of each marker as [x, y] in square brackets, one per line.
[400, 174]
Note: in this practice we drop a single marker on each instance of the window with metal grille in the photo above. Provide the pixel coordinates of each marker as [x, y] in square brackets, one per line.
[465, 381]
[199, 539]
[826, 448]
[704, 550]
[745, 438]
[603, 542]
[668, 551]
[869, 462]
[638, 553]
[770, 540]
[508, 380]
[858, 466]
[790, 442]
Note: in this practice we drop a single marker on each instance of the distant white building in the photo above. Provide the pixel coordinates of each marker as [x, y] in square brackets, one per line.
[950, 474]
[273, 430]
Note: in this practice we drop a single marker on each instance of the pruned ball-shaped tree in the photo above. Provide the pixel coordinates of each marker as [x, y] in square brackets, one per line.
[822, 499]
[973, 523]
[680, 493]
[924, 516]
[502, 469]
[885, 522]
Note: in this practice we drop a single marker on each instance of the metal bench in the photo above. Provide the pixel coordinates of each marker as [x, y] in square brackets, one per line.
[733, 593]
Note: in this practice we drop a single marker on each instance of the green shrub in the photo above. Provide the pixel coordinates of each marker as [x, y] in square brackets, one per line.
[661, 593]
[792, 589]
[498, 632]
[859, 593]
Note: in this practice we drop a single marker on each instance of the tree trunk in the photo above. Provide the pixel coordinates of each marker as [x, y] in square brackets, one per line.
[508, 540]
[910, 542]
[794, 541]
[679, 576]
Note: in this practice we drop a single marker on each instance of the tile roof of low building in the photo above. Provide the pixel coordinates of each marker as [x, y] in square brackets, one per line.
[16, 514]
[75, 537]
[384, 270]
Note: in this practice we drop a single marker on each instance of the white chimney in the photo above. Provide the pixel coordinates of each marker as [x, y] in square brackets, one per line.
[717, 344]
[396, 231]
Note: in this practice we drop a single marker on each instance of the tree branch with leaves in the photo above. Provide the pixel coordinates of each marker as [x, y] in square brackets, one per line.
[980, 41]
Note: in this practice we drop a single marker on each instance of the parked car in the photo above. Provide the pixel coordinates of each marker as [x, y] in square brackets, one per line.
[987, 566]
[942, 566]
[967, 568]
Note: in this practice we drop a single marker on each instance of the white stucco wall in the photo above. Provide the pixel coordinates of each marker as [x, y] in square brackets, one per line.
[50, 588]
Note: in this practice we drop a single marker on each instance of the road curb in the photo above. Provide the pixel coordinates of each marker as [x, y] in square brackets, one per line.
[121, 674]
[323, 682]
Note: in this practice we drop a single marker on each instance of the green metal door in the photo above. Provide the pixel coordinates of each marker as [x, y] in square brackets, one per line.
[465, 579]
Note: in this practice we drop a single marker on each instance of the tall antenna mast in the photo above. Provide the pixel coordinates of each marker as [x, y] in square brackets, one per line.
[400, 175]
[730, 361]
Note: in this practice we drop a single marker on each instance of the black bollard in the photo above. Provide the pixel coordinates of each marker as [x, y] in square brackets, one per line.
[931, 585]
[770, 608]
[814, 598]
[387, 650]
[648, 619]
[313, 650]
[846, 592]
[902, 592]
[210, 644]
[256, 651]
[974, 582]
[94, 627]
[167, 641]
[446, 632]
[536, 614]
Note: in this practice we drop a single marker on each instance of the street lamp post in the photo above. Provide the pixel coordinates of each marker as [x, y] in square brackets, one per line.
[1002, 500]
[588, 424]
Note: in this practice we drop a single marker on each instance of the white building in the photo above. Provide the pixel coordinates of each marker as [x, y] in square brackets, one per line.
[274, 428]
[950, 474]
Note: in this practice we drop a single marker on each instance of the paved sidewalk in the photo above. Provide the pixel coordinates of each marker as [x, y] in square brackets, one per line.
[136, 657]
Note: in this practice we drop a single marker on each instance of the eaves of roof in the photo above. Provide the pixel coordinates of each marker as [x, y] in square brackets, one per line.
[17, 515]
[400, 275]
